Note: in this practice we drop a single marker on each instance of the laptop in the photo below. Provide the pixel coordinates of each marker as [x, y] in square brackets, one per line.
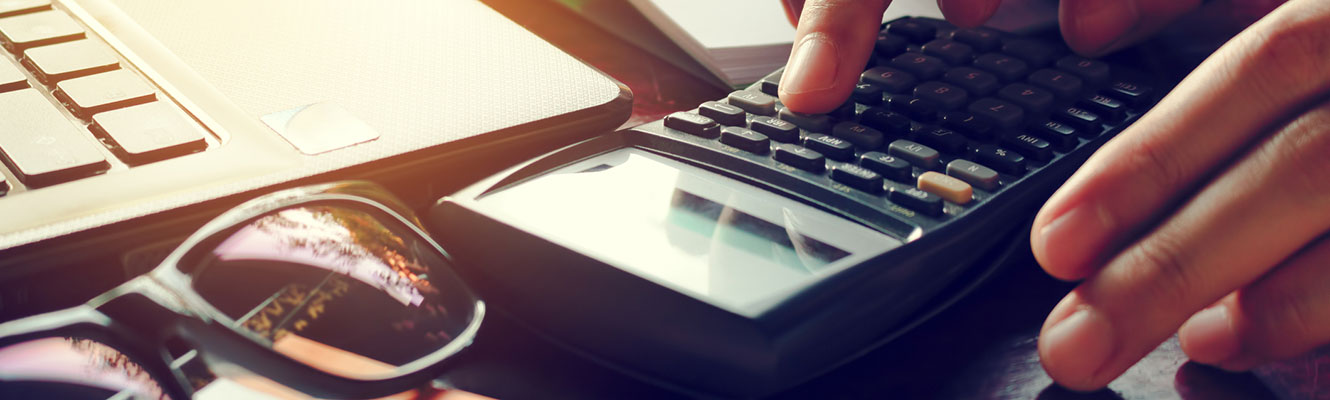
[127, 121]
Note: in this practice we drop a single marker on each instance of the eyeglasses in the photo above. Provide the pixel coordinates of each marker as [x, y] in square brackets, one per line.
[334, 290]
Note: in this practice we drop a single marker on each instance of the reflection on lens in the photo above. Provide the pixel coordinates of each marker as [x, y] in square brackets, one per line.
[349, 291]
[71, 368]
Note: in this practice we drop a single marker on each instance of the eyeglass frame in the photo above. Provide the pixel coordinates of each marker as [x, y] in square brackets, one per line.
[180, 311]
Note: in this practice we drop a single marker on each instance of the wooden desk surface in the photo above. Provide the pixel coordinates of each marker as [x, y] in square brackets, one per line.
[983, 348]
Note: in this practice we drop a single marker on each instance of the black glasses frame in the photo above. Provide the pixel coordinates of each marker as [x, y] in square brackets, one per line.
[140, 316]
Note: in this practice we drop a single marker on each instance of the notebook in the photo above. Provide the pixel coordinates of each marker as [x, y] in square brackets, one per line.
[123, 121]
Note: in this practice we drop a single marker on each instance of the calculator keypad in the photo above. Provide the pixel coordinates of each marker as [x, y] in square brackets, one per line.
[943, 119]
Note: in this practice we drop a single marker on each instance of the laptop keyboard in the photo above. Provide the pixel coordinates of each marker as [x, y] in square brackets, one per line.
[71, 107]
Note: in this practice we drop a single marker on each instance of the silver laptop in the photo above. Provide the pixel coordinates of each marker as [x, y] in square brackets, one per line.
[123, 120]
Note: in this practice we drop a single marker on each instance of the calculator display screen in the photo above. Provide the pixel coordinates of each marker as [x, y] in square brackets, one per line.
[708, 236]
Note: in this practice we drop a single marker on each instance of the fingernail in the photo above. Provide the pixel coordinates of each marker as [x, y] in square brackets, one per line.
[1208, 337]
[1075, 238]
[1094, 25]
[1074, 349]
[812, 67]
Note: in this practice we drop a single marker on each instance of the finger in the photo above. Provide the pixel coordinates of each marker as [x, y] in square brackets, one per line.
[1094, 27]
[792, 8]
[832, 43]
[1284, 314]
[968, 13]
[1275, 66]
[1251, 217]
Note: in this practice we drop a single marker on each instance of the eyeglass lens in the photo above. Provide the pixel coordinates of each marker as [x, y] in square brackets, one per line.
[351, 291]
[72, 368]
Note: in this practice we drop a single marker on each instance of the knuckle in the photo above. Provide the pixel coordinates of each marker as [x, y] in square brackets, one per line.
[1158, 165]
[1159, 262]
[1298, 154]
[1291, 48]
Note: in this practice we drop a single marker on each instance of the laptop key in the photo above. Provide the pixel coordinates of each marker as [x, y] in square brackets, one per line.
[105, 91]
[41, 145]
[11, 77]
[62, 61]
[21, 32]
[9, 8]
[150, 132]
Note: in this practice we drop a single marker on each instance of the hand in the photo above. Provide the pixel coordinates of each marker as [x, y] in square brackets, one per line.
[1210, 216]
[834, 38]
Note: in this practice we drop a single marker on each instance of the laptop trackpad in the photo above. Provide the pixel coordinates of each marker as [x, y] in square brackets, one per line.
[319, 127]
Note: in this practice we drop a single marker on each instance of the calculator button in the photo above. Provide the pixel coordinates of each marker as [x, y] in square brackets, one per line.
[891, 80]
[860, 135]
[800, 157]
[1032, 51]
[890, 167]
[974, 81]
[998, 113]
[916, 108]
[16, 7]
[1130, 92]
[982, 40]
[1028, 97]
[1107, 107]
[745, 139]
[868, 94]
[923, 67]
[857, 177]
[954, 53]
[62, 61]
[149, 132]
[946, 96]
[976, 175]
[946, 140]
[845, 111]
[914, 31]
[775, 129]
[917, 154]
[722, 113]
[693, 124]
[1062, 84]
[1007, 161]
[1006, 68]
[108, 90]
[1086, 122]
[1062, 136]
[41, 145]
[918, 200]
[889, 45]
[754, 102]
[967, 124]
[885, 121]
[11, 77]
[1030, 146]
[38, 29]
[830, 146]
[770, 84]
[949, 188]
[1093, 72]
[811, 122]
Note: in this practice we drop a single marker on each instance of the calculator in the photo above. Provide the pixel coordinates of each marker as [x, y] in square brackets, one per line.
[741, 248]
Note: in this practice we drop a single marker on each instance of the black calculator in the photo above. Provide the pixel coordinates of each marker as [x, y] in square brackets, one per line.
[741, 248]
